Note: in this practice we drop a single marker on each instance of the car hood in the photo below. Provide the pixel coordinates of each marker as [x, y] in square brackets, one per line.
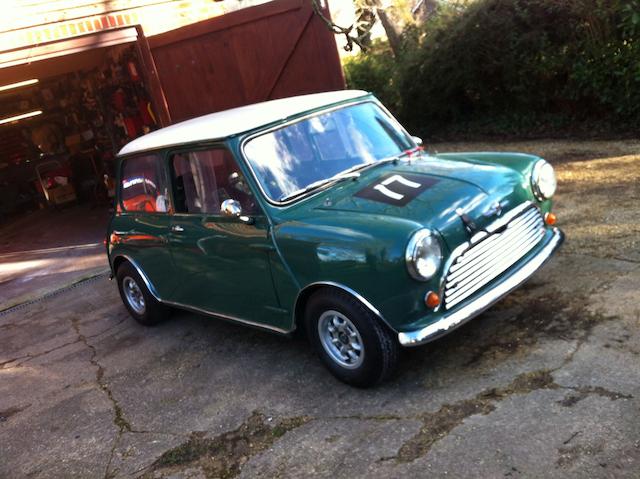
[454, 197]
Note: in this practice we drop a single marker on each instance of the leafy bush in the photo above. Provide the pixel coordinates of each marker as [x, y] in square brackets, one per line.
[374, 71]
[514, 66]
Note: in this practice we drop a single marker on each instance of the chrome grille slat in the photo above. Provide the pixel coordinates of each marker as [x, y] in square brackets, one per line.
[484, 244]
[491, 266]
[496, 269]
[512, 242]
[492, 256]
[506, 239]
[479, 247]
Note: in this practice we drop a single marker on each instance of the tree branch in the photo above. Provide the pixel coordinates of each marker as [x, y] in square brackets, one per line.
[363, 30]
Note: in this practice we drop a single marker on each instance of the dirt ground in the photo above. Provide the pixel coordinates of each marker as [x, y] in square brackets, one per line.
[544, 384]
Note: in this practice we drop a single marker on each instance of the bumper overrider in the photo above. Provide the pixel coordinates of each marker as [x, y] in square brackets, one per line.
[476, 306]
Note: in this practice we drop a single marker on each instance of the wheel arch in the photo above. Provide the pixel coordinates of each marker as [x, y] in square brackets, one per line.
[308, 291]
[121, 259]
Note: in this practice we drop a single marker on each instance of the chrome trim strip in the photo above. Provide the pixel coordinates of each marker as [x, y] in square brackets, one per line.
[499, 223]
[145, 278]
[226, 317]
[477, 306]
[346, 289]
[153, 292]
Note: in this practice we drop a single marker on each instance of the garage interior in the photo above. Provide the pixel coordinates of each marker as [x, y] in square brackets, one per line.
[63, 118]
[69, 100]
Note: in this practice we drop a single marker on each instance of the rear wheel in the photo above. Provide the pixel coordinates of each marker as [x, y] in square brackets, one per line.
[137, 298]
[351, 341]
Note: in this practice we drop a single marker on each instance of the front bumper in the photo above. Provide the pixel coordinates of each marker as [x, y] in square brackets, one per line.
[472, 309]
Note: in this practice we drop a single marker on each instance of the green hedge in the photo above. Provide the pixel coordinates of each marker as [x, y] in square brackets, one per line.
[513, 66]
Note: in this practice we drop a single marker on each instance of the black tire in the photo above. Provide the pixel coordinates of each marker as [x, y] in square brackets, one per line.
[380, 348]
[150, 311]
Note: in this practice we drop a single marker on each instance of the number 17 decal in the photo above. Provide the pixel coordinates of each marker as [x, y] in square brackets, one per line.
[396, 189]
[382, 187]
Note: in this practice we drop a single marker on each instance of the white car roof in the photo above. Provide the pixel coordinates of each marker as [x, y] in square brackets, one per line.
[237, 120]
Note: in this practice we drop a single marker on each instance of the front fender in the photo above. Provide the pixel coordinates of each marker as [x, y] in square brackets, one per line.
[365, 258]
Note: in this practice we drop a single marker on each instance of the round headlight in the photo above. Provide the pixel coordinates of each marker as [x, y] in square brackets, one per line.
[423, 255]
[543, 180]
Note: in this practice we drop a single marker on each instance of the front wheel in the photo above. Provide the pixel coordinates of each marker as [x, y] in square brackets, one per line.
[350, 340]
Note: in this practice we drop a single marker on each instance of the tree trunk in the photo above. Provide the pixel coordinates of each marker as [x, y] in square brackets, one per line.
[391, 31]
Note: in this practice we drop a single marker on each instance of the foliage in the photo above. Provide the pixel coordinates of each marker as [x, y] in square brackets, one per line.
[513, 66]
[374, 71]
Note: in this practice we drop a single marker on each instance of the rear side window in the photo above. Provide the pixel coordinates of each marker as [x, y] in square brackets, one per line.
[143, 187]
[204, 179]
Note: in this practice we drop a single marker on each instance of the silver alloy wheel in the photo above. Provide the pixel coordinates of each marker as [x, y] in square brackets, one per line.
[341, 339]
[134, 295]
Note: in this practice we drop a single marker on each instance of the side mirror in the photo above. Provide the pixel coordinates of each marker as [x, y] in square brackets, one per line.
[417, 140]
[232, 209]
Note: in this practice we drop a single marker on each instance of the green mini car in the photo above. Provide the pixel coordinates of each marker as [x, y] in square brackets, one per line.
[321, 213]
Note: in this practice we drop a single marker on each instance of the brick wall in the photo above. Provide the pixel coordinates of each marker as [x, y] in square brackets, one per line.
[39, 21]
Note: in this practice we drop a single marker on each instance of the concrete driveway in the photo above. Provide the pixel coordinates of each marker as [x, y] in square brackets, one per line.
[45, 249]
[545, 384]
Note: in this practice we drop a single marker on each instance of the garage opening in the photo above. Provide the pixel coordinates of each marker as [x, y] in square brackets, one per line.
[70, 99]
[66, 108]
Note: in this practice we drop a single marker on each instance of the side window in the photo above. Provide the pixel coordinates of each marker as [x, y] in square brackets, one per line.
[143, 187]
[204, 179]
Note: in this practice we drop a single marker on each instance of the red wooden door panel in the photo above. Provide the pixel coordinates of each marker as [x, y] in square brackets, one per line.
[259, 53]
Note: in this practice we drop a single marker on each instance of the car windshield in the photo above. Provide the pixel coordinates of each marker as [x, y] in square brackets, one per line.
[309, 153]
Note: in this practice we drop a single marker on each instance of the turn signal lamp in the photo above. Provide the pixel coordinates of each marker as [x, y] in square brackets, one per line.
[550, 219]
[432, 300]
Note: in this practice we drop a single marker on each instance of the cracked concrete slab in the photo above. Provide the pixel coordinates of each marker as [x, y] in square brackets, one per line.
[534, 436]
[333, 447]
[544, 384]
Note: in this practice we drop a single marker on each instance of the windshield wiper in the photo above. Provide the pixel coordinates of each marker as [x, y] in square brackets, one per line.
[345, 175]
[373, 164]
[350, 173]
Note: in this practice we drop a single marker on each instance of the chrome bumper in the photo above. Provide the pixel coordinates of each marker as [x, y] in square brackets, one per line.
[457, 318]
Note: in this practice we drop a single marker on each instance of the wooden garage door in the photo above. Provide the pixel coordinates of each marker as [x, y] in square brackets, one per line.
[259, 53]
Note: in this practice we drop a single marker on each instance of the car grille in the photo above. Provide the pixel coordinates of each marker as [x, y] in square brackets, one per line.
[493, 255]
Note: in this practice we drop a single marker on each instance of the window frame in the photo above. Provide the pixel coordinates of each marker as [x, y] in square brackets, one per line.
[198, 147]
[163, 176]
[303, 117]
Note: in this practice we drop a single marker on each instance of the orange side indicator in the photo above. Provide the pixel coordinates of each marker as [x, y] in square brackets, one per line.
[550, 219]
[432, 300]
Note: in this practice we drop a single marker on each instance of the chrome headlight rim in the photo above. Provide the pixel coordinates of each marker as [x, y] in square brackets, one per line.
[536, 177]
[411, 252]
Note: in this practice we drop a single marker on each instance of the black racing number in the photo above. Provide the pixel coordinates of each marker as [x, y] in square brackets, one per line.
[397, 189]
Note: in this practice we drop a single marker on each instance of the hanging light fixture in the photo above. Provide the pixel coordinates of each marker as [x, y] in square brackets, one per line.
[22, 116]
[19, 84]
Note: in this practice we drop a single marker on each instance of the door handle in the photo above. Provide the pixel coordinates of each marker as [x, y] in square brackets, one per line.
[177, 229]
[262, 247]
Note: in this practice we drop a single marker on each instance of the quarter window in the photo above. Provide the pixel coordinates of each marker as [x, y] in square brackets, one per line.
[204, 179]
[143, 187]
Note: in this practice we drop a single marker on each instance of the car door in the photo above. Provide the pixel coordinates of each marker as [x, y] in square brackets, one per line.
[140, 229]
[222, 262]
